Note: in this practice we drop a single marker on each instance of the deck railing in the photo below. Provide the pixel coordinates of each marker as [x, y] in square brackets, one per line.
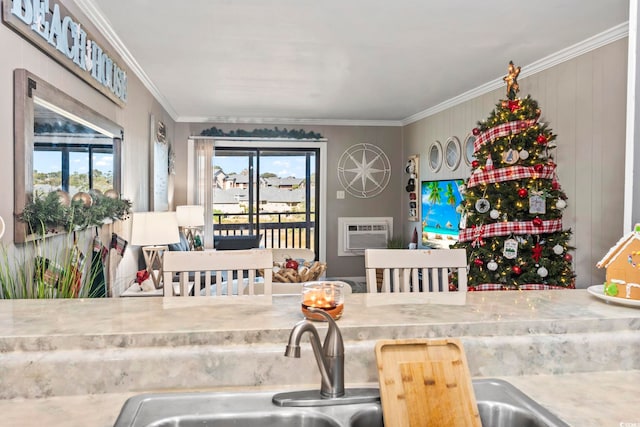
[279, 230]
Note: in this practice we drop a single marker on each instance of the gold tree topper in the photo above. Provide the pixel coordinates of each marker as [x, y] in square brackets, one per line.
[512, 81]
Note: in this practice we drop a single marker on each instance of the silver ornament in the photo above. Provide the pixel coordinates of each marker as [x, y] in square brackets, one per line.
[63, 196]
[558, 249]
[483, 205]
[492, 265]
[83, 197]
[561, 204]
[524, 154]
[543, 272]
[112, 194]
[494, 214]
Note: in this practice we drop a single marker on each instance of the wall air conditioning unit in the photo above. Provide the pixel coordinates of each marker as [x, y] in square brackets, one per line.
[358, 234]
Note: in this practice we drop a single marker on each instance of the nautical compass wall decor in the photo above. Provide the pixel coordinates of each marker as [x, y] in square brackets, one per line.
[364, 170]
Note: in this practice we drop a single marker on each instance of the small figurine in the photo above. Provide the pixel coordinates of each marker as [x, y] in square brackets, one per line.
[512, 80]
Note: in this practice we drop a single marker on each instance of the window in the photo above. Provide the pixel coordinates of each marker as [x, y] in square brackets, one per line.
[72, 167]
[68, 155]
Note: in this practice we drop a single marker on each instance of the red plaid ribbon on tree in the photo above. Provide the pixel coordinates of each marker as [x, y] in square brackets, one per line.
[527, 287]
[510, 128]
[508, 174]
[506, 228]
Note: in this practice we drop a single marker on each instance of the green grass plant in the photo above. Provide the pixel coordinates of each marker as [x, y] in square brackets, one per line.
[47, 268]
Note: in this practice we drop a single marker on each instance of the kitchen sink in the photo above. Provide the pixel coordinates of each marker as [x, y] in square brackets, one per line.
[257, 419]
[500, 404]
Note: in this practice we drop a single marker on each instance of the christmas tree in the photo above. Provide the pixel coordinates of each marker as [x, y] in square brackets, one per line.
[512, 204]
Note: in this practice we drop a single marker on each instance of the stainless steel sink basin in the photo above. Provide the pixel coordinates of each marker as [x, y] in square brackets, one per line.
[499, 403]
[282, 419]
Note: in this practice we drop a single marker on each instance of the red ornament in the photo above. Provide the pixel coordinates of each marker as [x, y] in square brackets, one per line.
[522, 125]
[555, 185]
[452, 287]
[541, 139]
[514, 105]
[478, 262]
[568, 257]
[538, 168]
[475, 164]
[523, 193]
[471, 289]
[476, 131]
[291, 263]
[537, 222]
[516, 269]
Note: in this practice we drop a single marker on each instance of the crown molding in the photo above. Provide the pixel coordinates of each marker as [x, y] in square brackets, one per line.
[95, 15]
[288, 121]
[609, 36]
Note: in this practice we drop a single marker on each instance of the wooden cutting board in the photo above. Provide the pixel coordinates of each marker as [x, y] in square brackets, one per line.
[425, 382]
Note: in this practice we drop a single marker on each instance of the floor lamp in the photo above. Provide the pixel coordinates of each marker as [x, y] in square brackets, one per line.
[190, 219]
[154, 231]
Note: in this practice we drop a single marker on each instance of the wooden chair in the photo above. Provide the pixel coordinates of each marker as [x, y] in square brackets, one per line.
[415, 271]
[235, 273]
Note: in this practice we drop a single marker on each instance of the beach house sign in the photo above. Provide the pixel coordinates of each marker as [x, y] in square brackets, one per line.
[53, 29]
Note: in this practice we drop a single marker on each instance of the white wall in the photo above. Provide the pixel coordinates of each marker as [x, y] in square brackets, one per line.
[584, 102]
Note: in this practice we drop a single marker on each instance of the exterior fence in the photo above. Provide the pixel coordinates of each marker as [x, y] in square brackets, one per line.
[279, 230]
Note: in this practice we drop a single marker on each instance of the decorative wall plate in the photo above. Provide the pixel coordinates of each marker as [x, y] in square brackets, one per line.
[468, 148]
[435, 156]
[452, 153]
[364, 170]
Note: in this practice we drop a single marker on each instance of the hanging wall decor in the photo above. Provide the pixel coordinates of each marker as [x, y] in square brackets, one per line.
[435, 156]
[364, 170]
[159, 165]
[413, 172]
[468, 149]
[452, 153]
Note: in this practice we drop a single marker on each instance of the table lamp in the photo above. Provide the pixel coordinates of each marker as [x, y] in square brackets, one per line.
[154, 231]
[190, 219]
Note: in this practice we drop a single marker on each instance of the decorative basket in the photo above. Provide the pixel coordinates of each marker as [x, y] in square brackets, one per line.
[306, 272]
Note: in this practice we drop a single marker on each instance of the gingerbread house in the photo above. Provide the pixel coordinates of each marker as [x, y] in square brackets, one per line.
[623, 267]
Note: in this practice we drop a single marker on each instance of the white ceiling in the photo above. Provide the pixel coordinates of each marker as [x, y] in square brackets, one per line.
[340, 61]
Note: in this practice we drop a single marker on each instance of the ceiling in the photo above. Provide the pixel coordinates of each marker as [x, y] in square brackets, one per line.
[341, 61]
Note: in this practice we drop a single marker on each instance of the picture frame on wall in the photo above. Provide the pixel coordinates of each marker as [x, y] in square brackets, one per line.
[158, 167]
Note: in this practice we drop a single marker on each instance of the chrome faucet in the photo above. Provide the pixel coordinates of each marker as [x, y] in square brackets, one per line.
[329, 356]
[330, 360]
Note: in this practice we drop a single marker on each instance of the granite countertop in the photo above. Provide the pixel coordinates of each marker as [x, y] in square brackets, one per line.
[75, 362]
[29, 324]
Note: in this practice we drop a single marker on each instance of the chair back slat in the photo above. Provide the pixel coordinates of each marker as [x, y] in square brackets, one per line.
[415, 270]
[189, 274]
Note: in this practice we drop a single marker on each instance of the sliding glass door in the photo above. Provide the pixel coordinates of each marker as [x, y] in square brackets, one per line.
[272, 192]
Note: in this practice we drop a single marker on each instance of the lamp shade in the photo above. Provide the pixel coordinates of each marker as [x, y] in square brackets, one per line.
[190, 215]
[154, 228]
